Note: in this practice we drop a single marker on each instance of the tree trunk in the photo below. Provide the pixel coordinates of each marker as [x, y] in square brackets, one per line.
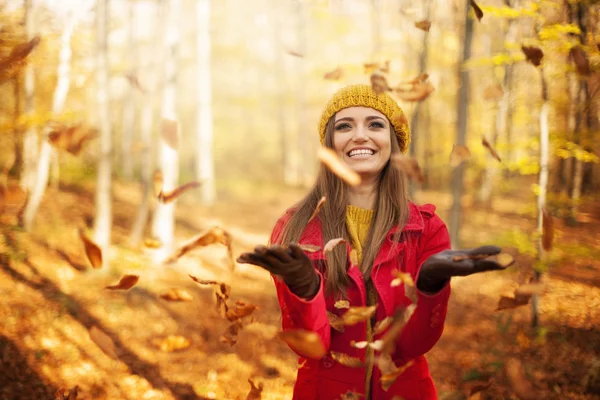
[461, 131]
[103, 218]
[302, 142]
[30, 140]
[129, 105]
[17, 164]
[204, 143]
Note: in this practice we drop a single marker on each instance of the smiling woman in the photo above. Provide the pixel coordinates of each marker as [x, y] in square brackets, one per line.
[393, 272]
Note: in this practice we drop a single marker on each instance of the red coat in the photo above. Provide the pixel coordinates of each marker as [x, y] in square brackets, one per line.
[326, 379]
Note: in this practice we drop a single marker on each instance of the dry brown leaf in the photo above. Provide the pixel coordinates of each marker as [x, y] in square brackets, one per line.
[459, 154]
[516, 376]
[345, 359]
[488, 146]
[331, 160]
[342, 304]
[423, 25]
[73, 393]
[547, 230]
[170, 133]
[171, 343]
[493, 92]
[507, 302]
[533, 54]
[12, 198]
[157, 181]
[222, 295]
[378, 83]
[295, 53]
[320, 204]
[126, 283]
[230, 336]
[306, 343]
[309, 248]
[203, 281]
[168, 197]
[64, 394]
[381, 326]
[478, 12]
[400, 319]
[354, 315]
[409, 166]
[351, 396]
[19, 53]
[330, 245]
[528, 290]
[70, 138]
[376, 345]
[334, 75]
[416, 92]
[135, 82]
[103, 341]
[176, 295]
[473, 388]
[212, 236]
[255, 391]
[241, 310]
[335, 321]
[152, 243]
[92, 251]
[415, 81]
[402, 277]
[580, 60]
[370, 67]
[388, 379]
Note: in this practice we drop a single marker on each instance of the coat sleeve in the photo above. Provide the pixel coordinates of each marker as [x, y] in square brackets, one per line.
[299, 313]
[426, 325]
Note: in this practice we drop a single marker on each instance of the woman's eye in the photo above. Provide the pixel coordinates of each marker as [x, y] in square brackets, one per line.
[342, 126]
[377, 125]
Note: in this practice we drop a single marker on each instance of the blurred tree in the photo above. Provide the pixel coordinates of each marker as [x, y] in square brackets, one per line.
[30, 140]
[129, 105]
[303, 148]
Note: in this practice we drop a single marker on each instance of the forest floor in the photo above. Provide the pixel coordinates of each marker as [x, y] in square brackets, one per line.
[51, 298]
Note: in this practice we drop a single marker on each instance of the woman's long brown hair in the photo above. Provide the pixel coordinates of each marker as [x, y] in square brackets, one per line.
[391, 209]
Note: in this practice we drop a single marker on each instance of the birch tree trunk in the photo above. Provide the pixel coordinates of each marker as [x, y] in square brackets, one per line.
[204, 151]
[302, 140]
[30, 139]
[103, 218]
[129, 106]
[58, 101]
[163, 226]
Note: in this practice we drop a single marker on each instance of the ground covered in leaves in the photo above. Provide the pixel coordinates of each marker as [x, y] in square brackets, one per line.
[153, 348]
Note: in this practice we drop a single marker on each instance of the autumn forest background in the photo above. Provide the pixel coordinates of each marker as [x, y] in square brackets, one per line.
[144, 144]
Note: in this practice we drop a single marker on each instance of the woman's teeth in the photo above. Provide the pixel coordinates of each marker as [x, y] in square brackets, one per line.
[361, 152]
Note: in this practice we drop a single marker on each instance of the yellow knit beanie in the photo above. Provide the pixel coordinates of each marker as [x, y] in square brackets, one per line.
[364, 96]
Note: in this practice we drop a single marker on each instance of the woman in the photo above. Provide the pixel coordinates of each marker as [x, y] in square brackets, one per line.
[387, 233]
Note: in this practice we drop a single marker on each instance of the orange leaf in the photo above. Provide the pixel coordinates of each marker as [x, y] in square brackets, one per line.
[379, 83]
[388, 379]
[255, 391]
[306, 343]
[423, 25]
[175, 193]
[12, 198]
[152, 243]
[335, 321]
[506, 302]
[409, 166]
[354, 315]
[488, 146]
[320, 204]
[202, 281]
[400, 319]
[171, 343]
[493, 92]
[416, 92]
[459, 154]
[230, 336]
[370, 67]
[126, 283]
[92, 251]
[547, 230]
[402, 277]
[478, 12]
[309, 248]
[347, 360]
[240, 311]
[103, 341]
[170, 133]
[334, 75]
[528, 290]
[382, 325]
[212, 236]
[580, 60]
[342, 304]
[330, 245]
[331, 160]
[19, 53]
[533, 54]
[176, 295]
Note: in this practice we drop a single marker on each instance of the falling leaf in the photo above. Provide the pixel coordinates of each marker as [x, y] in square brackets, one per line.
[309, 248]
[342, 304]
[376, 345]
[73, 393]
[378, 83]
[354, 257]
[212, 236]
[306, 343]
[92, 251]
[255, 391]
[408, 166]
[320, 204]
[203, 281]
[386, 67]
[488, 146]
[354, 315]
[12, 198]
[330, 245]
[547, 230]
[168, 197]
[415, 81]
[459, 154]
[519, 383]
[157, 181]
[493, 92]
[70, 138]
[126, 283]
[241, 310]
[331, 160]
[423, 25]
[370, 67]
[103, 341]
[295, 53]
[477, 10]
[507, 302]
[347, 360]
[400, 319]
[580, 60]
[528, 290]
[170, 133]
[351, 396]
[135, 82]
[415, 92]
[388, 379]
[334, 75]
[402, 277]
[176, 295]
[19, 53]
[382, 325]
[152, 243]
[335, 321]
[171, 343]
[533, 54]
[230, 336]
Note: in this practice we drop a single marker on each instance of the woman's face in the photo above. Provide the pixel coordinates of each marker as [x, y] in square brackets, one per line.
[362, 140]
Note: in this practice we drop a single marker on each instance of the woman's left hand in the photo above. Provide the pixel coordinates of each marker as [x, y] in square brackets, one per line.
[440, 267]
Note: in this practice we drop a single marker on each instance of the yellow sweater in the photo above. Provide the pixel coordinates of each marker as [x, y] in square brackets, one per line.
[358, 222]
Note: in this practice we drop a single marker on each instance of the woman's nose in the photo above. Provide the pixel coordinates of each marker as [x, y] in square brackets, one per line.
[360, 134]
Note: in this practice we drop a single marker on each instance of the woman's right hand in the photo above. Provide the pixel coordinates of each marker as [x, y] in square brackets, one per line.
[294, 267]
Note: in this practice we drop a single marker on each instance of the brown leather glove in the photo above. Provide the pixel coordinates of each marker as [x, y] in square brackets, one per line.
[294, 267]
[440, 267]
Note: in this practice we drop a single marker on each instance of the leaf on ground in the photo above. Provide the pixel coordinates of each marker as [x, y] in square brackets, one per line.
[320, 204]
[351, 396]
[354, 315]
[408, 166]
[157, 182]
[423, 25]
[169, 130]
[477, 10]
[492, 151]
[472, 388]
[330, 245]
[389, 376]
[533, 54]
[168, 197]
[103, 341]
[519, 383]
[345, 359]
[342, 304]
[255, 390]
[547, 230]
[331, 160]
[379, 83]
[400, 319]
[401, 277]
[212, 236]
[92, 250]
[171, 343]
[126, 283]
[459, 154]
[241, 310]
[381, 326]
[306, 343]
[73, 393]
[335, 321]
[508, 302]
[580, 59]
[493, 92]
[176, 295]
[334, 75]
[309, 248]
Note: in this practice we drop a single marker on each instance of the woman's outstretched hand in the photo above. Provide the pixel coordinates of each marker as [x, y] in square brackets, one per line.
[294, 267]
[440, 267]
